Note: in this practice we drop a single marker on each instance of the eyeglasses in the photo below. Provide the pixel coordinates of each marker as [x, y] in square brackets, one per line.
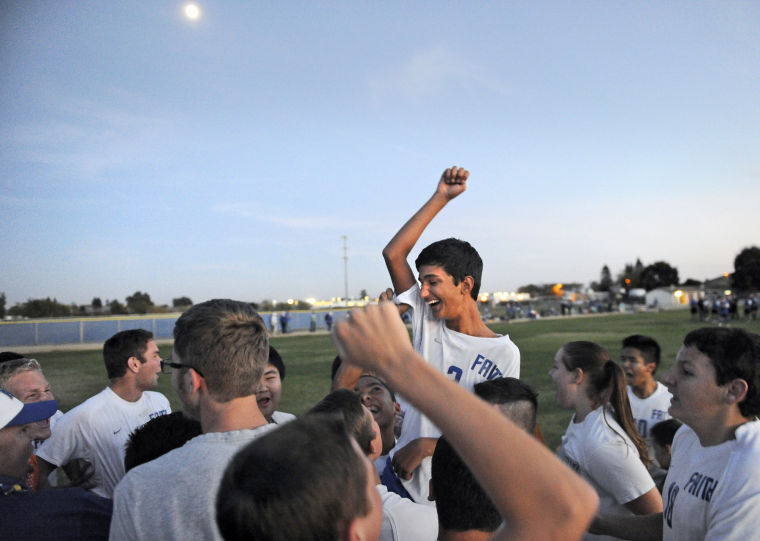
[166, 364]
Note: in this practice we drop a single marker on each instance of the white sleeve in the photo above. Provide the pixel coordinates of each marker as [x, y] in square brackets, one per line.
[404, 520]
[733, 513]
[65, 442]
[618, 468]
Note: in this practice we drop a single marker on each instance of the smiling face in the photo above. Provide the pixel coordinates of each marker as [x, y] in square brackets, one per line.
[269, 392]
[565, 382]
[378, 399]
[31, 386]
[638, 373]
[437, 289]
[696, 393]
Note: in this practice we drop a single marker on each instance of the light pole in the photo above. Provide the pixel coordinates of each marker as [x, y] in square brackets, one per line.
[345, 265]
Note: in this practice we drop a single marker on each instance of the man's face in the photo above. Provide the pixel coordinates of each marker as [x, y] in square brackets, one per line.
[696, 394]
[269, 391]
[150, 369]
[378, 399]
[437, 289]
[31, 386]
[638, 373]
[15, 448]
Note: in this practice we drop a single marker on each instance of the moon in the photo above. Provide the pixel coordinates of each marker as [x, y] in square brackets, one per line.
[192, 11]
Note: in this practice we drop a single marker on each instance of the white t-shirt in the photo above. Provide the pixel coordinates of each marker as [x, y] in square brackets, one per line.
[713, 492]
[97, 431]
[281, 417]
[465, 359]
[404, 520]
[649, 411]
[600, 452]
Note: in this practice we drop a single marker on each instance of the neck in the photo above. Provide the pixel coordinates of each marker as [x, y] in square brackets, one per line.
[583, 407]
[645, 390]
[469, 535]
[126, 389]
[389, 438]
[469, 322]
[237, 414]
[720, 428]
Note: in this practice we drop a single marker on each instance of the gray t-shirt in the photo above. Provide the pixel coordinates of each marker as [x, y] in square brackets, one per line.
[174, 496]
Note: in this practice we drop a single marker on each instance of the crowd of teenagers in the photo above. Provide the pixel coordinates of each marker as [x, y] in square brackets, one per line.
[430, 439]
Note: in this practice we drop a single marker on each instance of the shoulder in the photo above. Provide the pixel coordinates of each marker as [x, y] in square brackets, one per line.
[281, 417]
[411, 296]
[154, 397]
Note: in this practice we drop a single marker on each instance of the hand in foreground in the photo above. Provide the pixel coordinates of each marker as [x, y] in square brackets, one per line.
[374, 338]
[453, 182]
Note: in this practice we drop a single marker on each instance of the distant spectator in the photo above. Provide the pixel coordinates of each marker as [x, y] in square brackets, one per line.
[329, 320]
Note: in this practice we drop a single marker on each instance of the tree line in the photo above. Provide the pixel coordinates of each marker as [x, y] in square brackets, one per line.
[745, 278]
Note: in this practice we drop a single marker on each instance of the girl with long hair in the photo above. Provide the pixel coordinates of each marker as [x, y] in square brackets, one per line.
[602, 443]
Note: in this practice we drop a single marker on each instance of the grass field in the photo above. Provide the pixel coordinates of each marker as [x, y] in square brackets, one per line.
[76, 375]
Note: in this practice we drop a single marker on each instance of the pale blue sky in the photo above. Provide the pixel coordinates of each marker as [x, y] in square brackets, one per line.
[226, 156]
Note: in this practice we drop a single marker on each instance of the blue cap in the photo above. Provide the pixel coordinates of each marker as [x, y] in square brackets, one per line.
[13, 412]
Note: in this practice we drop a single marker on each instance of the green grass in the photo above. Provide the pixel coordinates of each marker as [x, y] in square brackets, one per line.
[76, 375]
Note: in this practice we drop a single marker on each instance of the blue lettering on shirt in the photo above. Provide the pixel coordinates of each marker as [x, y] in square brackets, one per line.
[701, 486]
[456, 371]
[670, 503]
[157, 414]
[485, 367]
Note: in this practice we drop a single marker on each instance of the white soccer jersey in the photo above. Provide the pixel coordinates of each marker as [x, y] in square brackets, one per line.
[465, 359]
[713, 492]
[97, 431]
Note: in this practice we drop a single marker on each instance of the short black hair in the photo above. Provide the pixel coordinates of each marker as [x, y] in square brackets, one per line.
[276, 361]
[347, 406]
[461, 502]
[664, 431]
[303, 481]
[10, 356]
[159, 436]
[457, 257]
[734, 353]
[121, 346]
[648, 347]
[504, 391]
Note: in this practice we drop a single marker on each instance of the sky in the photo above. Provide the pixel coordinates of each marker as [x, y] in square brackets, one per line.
[226, 156]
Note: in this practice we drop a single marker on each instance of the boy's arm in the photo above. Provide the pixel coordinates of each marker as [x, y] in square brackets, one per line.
[537, 495]
[634, 528]
[452, 183]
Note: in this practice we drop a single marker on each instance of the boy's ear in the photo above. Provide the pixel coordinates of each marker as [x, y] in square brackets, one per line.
[467, 284]
[736, 390]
